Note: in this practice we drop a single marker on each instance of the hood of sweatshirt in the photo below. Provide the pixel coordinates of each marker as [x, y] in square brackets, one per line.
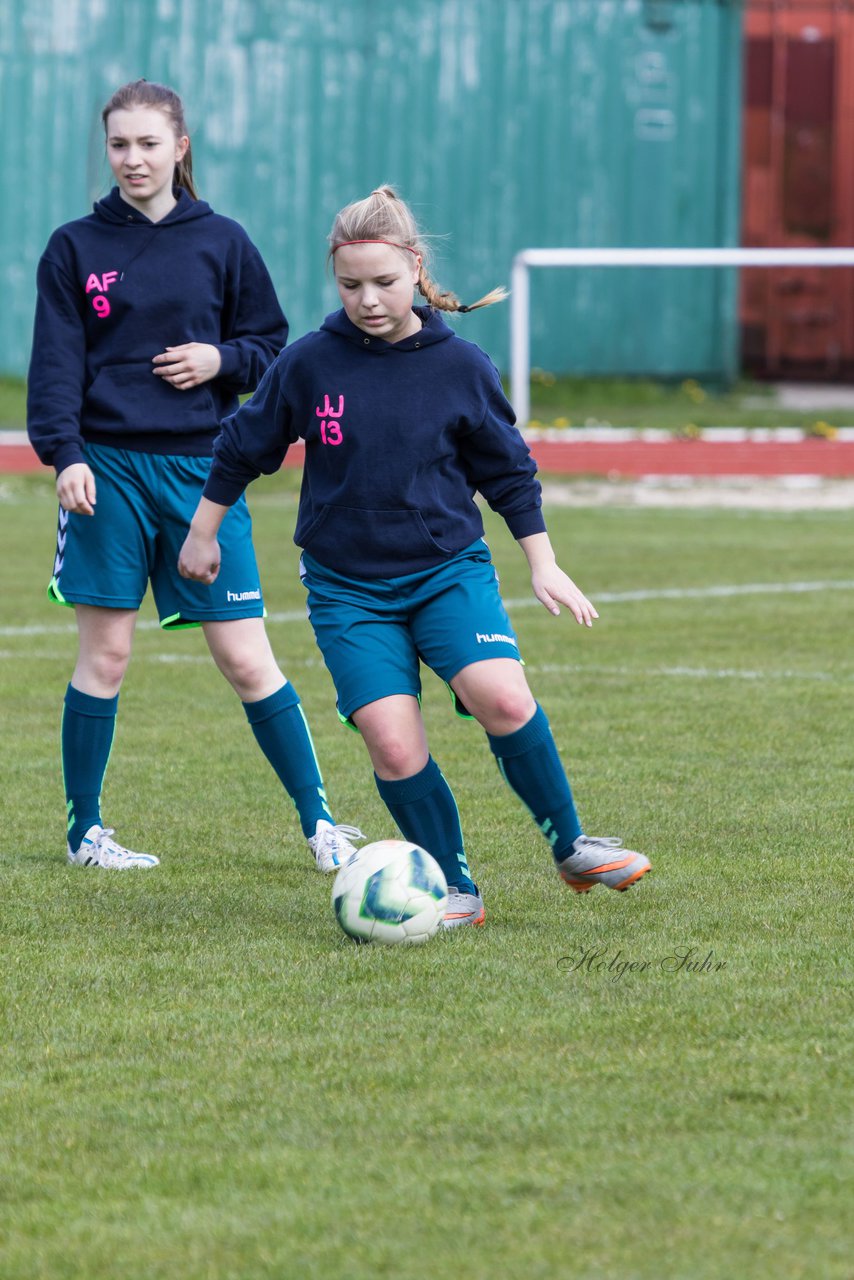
[114, 209]
[433, 329]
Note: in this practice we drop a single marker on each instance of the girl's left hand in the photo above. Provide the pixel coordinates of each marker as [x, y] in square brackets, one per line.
[199, 558]
[553, 588]
[188, 365]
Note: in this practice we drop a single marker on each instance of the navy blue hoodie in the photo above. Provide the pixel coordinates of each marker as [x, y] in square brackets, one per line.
[114, 290]
[398, 438]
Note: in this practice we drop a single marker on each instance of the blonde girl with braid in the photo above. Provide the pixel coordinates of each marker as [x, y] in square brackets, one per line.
[383, 217]
[403, 423]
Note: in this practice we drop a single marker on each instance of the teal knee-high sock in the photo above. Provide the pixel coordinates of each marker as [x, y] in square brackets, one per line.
[88, 727]
[530, 765]
[282, 733]
[425, 810]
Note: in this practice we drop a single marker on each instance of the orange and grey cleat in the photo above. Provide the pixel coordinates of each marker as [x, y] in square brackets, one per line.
[462, 909]
[602, 860]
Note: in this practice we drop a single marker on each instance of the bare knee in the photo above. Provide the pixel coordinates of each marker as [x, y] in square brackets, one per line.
[501, 711]
[393, 732]
[395, 757]
[242, 653]
[251, 674]
[105, 639]
[512, 708]
[100, 670]
[497, 694]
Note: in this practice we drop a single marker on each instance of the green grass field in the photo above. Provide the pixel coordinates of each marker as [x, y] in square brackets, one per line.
[202, 1079]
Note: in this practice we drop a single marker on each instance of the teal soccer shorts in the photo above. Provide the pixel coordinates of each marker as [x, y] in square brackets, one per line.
[145, 502]
[374, 632]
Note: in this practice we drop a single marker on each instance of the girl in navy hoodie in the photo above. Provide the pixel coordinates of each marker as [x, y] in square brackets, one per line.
[153, 315]
[403, 422]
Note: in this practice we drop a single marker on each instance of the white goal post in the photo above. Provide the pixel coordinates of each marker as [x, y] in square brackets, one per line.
[520, 293]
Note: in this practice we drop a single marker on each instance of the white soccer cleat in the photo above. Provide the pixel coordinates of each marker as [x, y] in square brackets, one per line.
[97, 849]
[331, 845]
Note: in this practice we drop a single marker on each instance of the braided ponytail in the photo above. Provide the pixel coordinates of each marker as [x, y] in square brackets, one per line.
[445, 301]
[384, 217]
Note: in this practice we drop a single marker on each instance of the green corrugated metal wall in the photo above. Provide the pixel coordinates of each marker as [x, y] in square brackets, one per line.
[507, 123]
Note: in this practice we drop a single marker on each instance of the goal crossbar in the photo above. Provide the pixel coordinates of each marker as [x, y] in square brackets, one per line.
[527, 259]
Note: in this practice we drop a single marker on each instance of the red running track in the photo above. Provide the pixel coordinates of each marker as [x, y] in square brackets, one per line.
[816, 457]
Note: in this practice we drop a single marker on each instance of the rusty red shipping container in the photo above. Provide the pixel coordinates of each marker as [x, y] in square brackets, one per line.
[798, 183]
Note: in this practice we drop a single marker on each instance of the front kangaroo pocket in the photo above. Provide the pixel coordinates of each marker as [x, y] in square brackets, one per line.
[379, 541]
[132, 396]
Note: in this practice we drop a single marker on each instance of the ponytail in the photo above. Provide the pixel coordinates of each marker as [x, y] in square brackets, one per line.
[449, 301]
[183, 175]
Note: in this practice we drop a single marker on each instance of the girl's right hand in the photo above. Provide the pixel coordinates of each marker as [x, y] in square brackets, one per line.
[75, 488]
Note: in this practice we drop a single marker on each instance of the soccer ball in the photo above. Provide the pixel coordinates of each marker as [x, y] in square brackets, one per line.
[390, 891]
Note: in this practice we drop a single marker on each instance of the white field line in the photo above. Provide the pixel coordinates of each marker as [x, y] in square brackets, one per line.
[544, 668]
[539, 669]
[688, 673]
[529, 602]
[701, 593]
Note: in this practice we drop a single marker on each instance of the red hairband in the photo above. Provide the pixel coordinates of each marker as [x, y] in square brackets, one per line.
[393, 244]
